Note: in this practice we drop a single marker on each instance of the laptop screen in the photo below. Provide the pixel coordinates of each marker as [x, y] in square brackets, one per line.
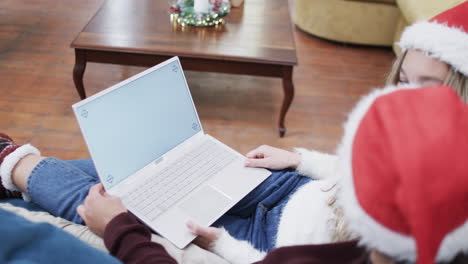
[133, 125]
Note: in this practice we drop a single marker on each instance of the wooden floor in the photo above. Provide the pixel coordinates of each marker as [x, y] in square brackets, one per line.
[37, 90]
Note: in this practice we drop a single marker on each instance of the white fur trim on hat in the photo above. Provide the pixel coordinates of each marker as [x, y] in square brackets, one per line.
[453, 243]
[448, 44]
[236, 251]
[316, 164]
[9, 164]
[373, 234]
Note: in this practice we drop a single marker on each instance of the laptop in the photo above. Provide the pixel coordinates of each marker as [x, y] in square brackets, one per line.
[149, 148]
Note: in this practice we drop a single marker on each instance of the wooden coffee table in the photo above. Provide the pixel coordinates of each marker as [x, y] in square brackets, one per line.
[257, 39]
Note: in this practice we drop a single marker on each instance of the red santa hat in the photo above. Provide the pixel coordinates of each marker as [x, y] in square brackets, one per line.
[403, 159]
[443, 37]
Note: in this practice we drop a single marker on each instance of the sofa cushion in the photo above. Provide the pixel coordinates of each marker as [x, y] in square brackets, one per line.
[391, 2]
[415, 10]
[354, 22]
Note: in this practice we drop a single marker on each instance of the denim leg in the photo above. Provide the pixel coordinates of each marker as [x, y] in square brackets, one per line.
[86, 165]
[60, 186]
[256, 217]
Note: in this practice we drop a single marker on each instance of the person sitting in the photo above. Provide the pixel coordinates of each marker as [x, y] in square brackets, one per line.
[403, 188]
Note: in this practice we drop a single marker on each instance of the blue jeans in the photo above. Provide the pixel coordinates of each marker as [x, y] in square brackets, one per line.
[27, 242]
[256, 217]
[61, 186]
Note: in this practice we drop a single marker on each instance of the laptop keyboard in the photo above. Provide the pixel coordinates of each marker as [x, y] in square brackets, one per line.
[164, 189]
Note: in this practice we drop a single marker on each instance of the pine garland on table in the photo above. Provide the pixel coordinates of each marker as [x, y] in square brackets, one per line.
[185, 14]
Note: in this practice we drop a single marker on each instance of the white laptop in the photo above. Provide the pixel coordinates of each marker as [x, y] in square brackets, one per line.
[149, 149]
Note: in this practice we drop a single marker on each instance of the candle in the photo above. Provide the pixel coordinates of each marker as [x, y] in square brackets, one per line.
[236, 3]
[201, 6]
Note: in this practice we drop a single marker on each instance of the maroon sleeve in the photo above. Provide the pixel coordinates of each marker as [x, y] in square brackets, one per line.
[130, 241]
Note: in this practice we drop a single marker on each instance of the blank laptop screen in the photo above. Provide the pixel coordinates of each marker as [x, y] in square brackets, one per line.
[133, 125]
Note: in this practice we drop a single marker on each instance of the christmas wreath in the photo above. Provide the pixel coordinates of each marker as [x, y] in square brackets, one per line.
[185, 14]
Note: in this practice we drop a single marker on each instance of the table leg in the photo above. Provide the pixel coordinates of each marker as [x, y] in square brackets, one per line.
[288, 88]
[78, 72]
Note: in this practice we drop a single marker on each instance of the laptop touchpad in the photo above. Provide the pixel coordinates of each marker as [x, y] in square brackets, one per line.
[205, 205]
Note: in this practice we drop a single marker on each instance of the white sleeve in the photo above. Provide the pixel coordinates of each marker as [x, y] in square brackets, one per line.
[236, 251]
[316, 164]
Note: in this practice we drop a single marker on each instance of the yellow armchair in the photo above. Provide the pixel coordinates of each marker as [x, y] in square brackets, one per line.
[369, 22]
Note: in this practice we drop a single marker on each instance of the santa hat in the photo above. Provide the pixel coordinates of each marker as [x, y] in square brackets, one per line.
[403, 159]
[444, 37]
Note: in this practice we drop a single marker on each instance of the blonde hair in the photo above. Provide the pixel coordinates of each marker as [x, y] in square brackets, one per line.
[456, 80]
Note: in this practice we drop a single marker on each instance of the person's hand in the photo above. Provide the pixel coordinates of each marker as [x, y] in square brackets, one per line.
[272, 158]
[99, 208]
[206, 235]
